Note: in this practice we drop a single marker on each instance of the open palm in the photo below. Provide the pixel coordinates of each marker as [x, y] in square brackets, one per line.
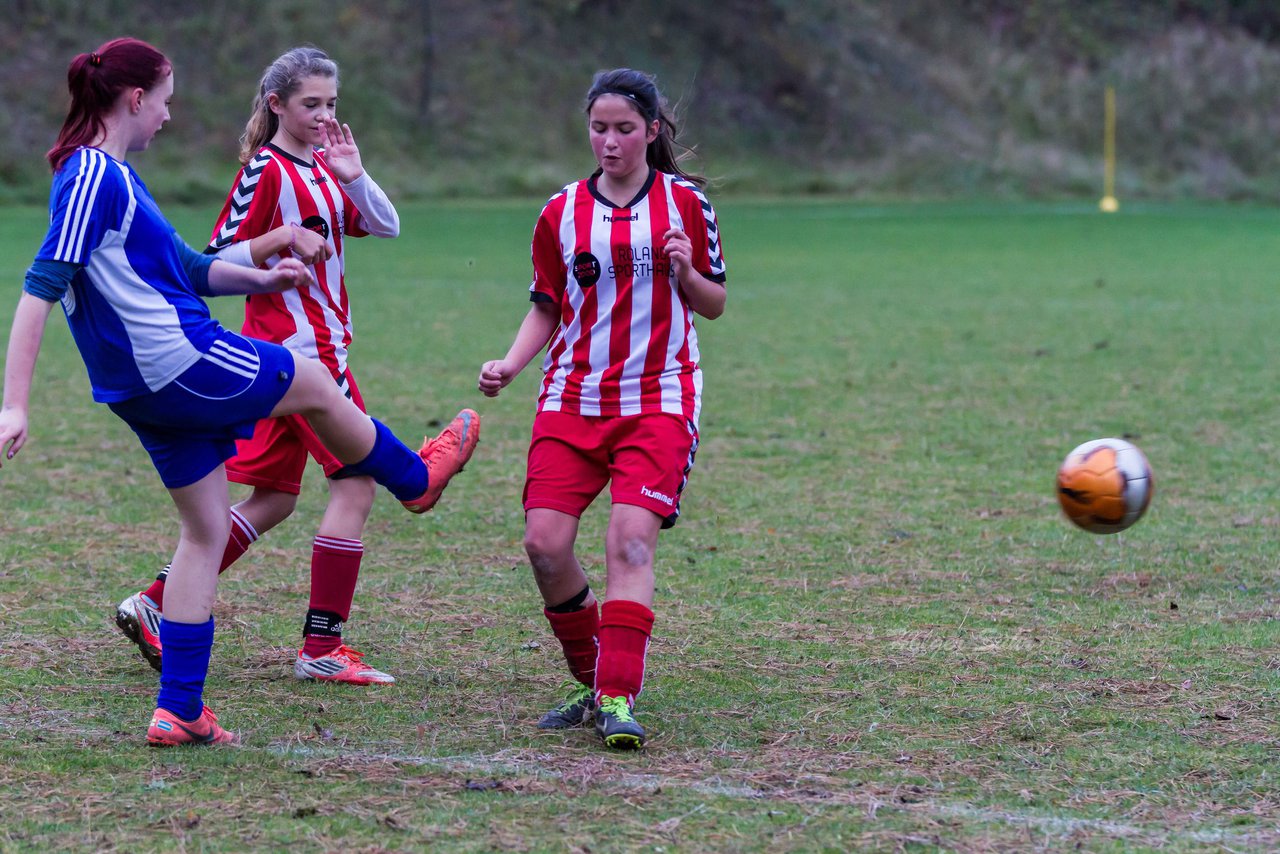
[340, 150]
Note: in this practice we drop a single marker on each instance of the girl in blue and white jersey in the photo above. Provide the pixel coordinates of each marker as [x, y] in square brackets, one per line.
[131, 290]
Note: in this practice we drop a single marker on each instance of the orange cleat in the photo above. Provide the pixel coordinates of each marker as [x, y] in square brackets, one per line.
[169, 730]
[445, 455]
[140, 622]
[344, 664]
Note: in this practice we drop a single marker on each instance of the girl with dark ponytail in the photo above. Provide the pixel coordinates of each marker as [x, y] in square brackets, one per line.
[622, 261]
[643, 92]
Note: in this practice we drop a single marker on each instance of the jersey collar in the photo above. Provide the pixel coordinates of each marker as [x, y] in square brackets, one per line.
[286, 155]
[644, 190]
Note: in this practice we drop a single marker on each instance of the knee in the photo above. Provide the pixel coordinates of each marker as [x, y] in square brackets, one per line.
[546, 553]
[210, 531]
[279, 510]
[313, 385]
[634, 553]
[353, 496]
[266, 508]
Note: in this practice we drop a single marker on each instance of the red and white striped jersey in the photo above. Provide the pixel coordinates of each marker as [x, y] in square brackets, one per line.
[274, 189]
[626, 342]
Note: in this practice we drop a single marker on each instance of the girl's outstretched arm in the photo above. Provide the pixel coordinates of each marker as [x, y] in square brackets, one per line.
[535, 330]
[226, 279]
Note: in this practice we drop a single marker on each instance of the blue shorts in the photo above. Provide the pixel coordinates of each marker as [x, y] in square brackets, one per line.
[190, 426]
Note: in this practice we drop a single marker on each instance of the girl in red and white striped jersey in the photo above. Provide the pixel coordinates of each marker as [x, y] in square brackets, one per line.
[301, 192]
[622, 261]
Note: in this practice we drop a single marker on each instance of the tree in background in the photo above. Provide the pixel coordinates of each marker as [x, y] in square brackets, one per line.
[916, 97]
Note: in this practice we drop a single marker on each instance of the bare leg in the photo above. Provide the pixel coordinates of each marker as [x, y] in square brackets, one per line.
[206, 524]
[346, 431]
[265, 508]
[629, 549]
[549, 536]
[350, 501]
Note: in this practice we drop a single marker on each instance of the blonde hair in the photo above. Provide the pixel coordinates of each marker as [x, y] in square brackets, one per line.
[281, 78]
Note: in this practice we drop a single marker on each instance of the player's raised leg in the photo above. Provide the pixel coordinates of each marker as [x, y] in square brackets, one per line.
[369, 447]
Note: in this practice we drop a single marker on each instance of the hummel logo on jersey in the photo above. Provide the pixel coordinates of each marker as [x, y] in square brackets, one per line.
[635, 217]
[657, 496]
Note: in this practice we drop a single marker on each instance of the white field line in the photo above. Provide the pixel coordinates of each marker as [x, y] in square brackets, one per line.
[1049, 824]
[716, 786]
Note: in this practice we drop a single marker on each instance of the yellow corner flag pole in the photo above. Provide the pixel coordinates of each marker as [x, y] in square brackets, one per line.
[1109, 203]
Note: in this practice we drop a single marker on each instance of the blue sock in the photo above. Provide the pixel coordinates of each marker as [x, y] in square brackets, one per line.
[393, 465]
[184, 664]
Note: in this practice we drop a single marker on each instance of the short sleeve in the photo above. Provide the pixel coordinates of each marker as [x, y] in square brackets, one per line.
[549, 271]
[251, 208]
[704, 232]
[89, 198]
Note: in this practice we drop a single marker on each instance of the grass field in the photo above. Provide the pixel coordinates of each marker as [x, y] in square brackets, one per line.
[875, 630]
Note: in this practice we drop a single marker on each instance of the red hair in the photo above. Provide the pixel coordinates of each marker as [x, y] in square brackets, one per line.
[95, 81]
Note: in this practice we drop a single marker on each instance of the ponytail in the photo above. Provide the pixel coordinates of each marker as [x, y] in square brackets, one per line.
[664, 153]
[95, 80]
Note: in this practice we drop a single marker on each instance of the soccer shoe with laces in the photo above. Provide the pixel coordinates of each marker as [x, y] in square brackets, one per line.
[616, 726]
[140, 622]
[344, 664]
[578, 703]
[445, 455]
[169, 730]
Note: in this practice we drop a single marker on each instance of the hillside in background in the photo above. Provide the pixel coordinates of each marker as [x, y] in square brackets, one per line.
[914, 98]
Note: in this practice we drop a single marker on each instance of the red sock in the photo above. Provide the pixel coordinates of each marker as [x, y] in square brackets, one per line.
[335, 566]
[242, 536]
[576, 632]
[625, 627]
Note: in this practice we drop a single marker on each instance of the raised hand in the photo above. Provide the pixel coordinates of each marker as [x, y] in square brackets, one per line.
[340, 150]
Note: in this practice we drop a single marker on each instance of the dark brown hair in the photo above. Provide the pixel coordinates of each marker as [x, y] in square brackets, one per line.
[641, 90]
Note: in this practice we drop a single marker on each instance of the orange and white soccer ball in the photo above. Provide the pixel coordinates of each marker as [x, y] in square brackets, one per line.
[1105, 485]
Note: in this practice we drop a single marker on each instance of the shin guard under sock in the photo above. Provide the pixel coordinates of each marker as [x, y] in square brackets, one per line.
[576, 632]
[184, 666]
[393, 465]
[625, 627]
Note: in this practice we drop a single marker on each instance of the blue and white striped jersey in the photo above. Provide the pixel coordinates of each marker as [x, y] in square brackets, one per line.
[132, 309]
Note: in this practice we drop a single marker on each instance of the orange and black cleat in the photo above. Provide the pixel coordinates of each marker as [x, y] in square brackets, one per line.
[445, 455]
[169, 730]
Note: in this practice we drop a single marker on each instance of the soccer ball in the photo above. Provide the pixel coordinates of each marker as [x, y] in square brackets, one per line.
[1104, 486]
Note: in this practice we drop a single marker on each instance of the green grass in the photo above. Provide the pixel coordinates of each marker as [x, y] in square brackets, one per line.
[875, 630]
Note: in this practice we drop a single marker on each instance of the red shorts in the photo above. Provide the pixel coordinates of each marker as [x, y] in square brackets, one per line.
[276, 455]
[645, 458]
